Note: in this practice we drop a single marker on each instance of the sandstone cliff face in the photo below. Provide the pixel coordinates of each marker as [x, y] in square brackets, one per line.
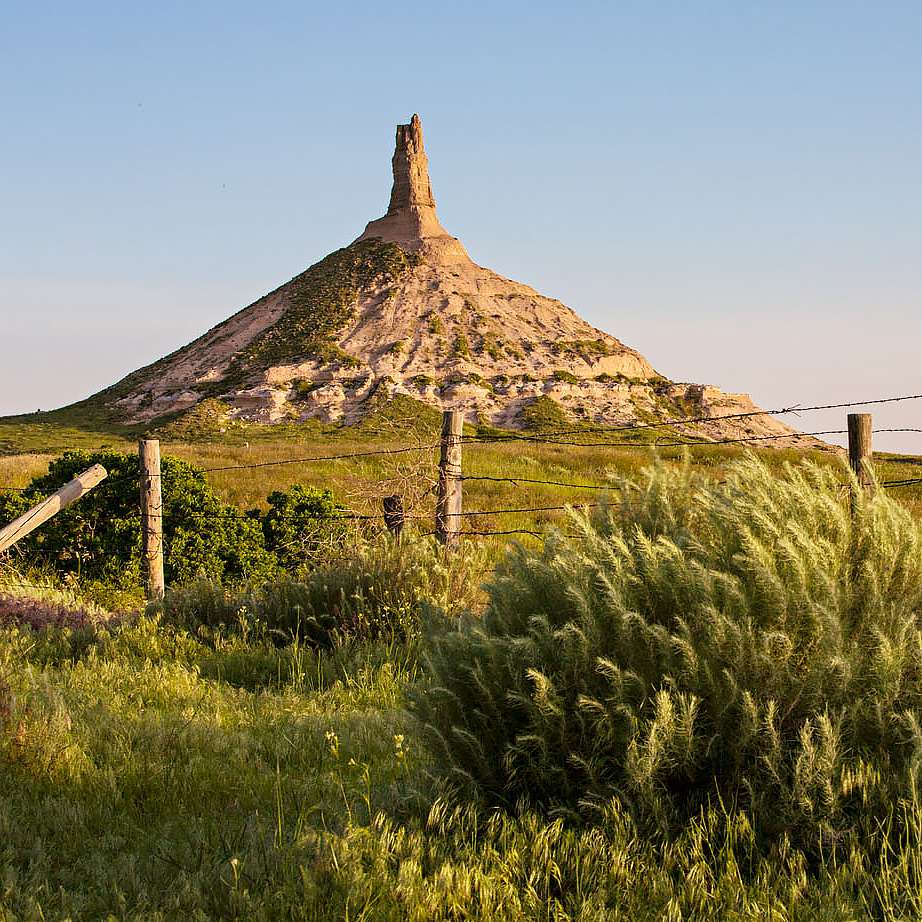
[404, 310]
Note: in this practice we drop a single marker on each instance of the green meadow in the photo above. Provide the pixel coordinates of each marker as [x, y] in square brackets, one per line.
[431, 755]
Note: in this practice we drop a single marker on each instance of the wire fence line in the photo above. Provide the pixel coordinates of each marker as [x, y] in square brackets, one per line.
[450, 467]
[543, 439]
[701, 443]
[356, 516]
[341, 457]
[529, 480]
[538, 438]
[686, 421]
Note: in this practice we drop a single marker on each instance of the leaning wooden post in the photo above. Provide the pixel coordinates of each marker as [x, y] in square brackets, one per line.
[394, 515]
[151, 518]
[859, 448]
[448, 506]
[40, 514]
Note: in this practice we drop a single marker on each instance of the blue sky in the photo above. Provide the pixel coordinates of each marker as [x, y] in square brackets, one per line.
[732, 188]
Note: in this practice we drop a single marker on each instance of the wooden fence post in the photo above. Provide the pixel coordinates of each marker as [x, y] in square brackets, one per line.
[151, 518]
[448, 506]
[860, 452]
[38, 515]
[394, 515]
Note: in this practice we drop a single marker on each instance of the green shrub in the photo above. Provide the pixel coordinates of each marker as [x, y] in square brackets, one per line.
[543, 413]
[373, 589]
[660, 385]
[747, 641]
[493, 346]
[301, 524]
[479, 380]
[99, 537]
[567, 377]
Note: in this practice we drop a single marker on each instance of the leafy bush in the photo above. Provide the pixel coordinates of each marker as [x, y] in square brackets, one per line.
[304, 387]
[301, 523]
[375, 589]
[587, 349]
[747, 641]
[99, 537]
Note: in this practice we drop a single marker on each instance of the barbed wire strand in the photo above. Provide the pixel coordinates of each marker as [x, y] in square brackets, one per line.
[542, 440]
[355, 454]
[550, 483]
[686, 421]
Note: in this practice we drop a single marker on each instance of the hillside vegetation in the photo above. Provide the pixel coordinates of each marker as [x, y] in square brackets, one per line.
[697, 700]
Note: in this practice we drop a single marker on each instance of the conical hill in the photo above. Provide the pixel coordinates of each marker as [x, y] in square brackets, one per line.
[403, 310]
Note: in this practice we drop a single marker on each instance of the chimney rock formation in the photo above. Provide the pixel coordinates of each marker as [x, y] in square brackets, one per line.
[404, 311]
[411, 221]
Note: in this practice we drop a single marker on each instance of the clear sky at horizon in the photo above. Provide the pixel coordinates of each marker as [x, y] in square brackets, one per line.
[731, 188]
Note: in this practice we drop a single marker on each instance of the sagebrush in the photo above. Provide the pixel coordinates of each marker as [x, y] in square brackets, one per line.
[751, 642]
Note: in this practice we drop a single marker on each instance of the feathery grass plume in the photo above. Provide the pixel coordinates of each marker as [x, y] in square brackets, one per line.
[750, 641]
[370, 589]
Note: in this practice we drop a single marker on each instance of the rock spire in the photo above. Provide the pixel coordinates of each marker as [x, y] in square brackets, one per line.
[411, 169]
[411, 220]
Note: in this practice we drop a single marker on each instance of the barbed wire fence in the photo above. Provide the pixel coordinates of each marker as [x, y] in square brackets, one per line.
[409, 482]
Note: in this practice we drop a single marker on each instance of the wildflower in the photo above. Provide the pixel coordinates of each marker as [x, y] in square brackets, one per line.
[333, 742]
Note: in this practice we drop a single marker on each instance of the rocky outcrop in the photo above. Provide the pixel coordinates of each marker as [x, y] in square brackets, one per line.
[411, 221]
[404, 311]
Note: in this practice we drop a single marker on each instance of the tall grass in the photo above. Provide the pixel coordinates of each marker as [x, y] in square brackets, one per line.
[755, 641]
[186, 764]
[149, 775]
[368, 590]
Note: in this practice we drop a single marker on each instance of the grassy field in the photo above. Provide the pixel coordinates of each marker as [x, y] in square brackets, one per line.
[149, 771]
[148, 774]
[361, 482]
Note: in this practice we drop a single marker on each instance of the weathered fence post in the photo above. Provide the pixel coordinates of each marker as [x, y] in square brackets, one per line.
[448, 506]
[860, 452]
[394, 515]
[38, 515]
[151, 518]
